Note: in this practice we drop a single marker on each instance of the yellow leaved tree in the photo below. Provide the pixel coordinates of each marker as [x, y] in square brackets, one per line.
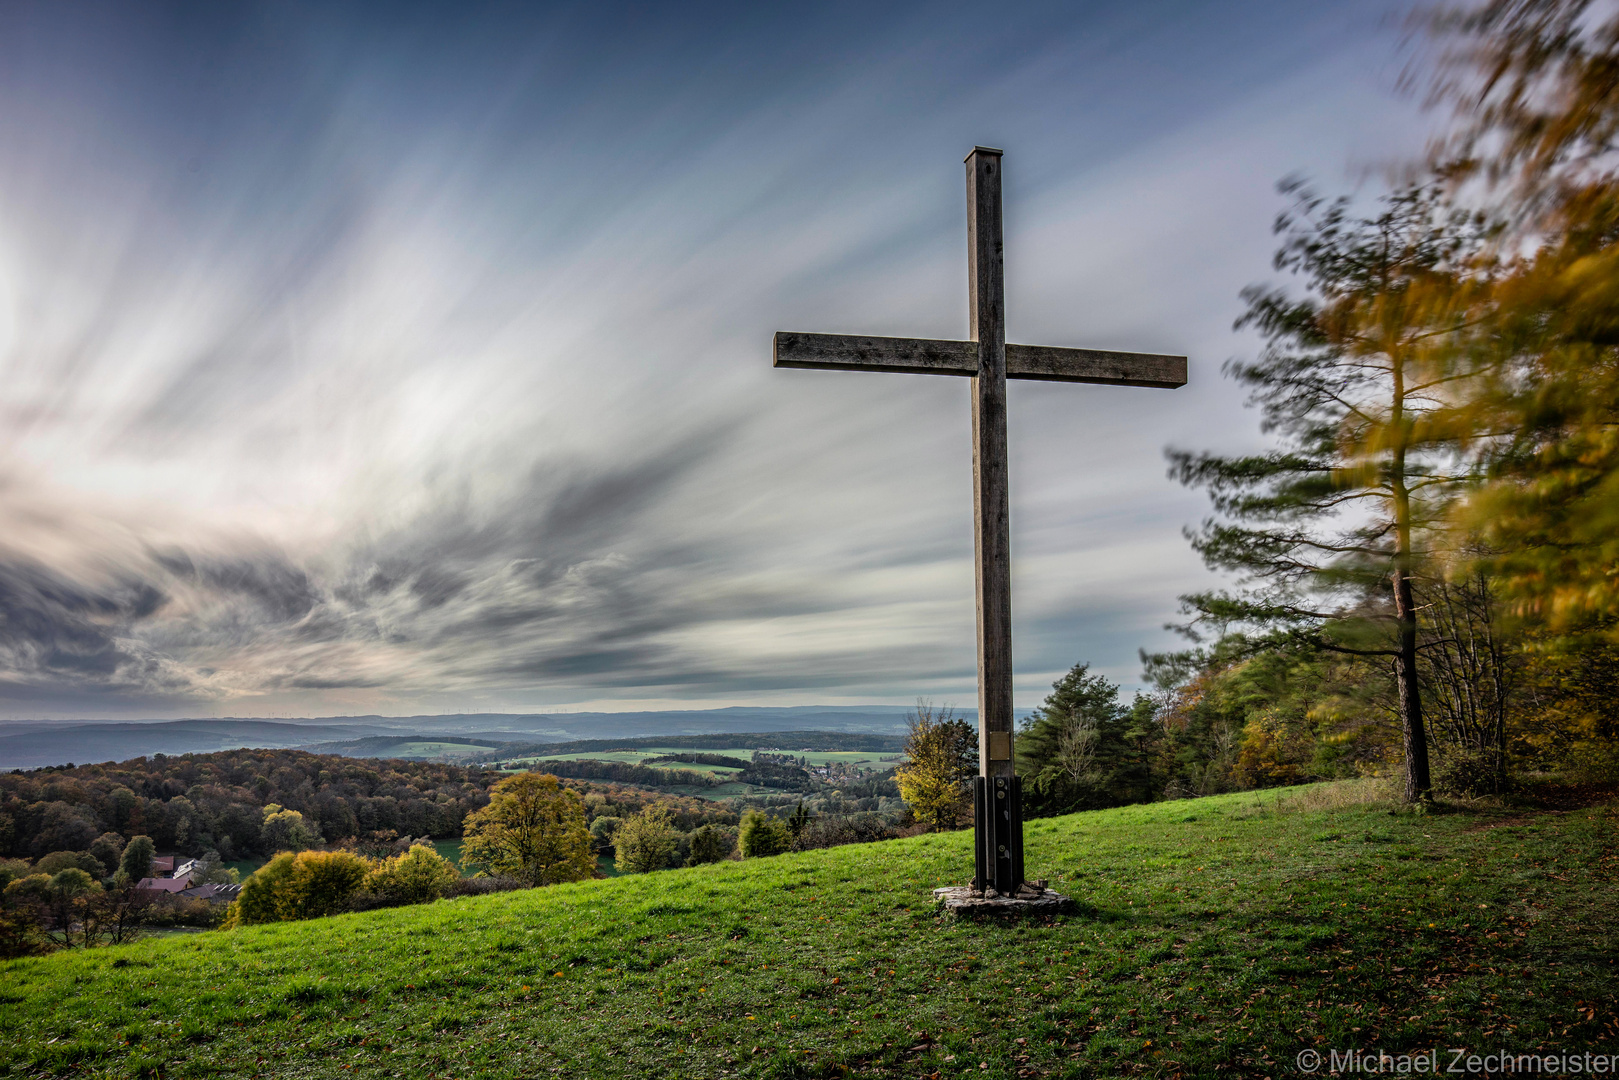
[533, 829]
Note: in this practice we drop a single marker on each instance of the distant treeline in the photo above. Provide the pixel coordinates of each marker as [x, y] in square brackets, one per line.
[773, 774]
[760, 772]
[624, 772]
[196, 803]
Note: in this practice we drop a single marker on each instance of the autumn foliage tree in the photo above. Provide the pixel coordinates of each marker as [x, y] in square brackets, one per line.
[533, 829]
[941, 758]
[1535, 89]
[412, 877]
[646, 841]
[1443, 501]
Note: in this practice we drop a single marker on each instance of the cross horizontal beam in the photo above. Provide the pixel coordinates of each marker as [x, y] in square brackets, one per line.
[926, 356]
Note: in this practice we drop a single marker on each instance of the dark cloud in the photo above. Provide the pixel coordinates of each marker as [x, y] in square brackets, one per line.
[52, 627]
[517, 593]
[284, 592]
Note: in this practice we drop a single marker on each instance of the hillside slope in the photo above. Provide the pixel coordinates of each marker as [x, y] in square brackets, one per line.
[1218, 934]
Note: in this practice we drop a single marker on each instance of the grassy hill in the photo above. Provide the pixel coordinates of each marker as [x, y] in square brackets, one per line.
[1216, 937]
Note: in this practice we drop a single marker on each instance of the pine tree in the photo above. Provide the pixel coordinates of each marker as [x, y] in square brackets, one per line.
[1080, 749]
[1361, 381]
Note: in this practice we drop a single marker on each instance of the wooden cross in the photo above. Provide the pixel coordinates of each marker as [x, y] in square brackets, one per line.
[988, 361]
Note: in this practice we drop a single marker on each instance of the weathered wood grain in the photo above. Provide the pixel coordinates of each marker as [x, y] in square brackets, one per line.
[1050, 364]
[934, 356]
[846, 352]
[992, 509]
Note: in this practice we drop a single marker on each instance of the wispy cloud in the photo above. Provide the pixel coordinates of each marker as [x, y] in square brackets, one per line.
[349, 368]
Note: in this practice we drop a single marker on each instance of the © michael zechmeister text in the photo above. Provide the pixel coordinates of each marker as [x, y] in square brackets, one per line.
[1456, 1061]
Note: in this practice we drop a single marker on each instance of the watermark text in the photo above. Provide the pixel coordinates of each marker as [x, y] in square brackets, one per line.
[1456, 1062]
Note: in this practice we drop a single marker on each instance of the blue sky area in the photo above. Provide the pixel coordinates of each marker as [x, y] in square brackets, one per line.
[399, 358]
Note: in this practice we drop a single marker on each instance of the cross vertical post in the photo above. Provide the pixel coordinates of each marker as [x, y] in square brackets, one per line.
[987, 361]
[997, 822]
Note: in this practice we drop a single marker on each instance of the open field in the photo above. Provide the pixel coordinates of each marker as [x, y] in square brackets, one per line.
[634, 757]
[848, 757]
[1216, 937]
[868, 759]
[435, 748]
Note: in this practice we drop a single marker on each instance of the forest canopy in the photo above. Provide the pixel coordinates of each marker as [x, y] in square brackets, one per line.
[218, 802]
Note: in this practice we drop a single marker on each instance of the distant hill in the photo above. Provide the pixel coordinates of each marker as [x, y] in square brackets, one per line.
[82, 743]
[415, 747]
[32, 744]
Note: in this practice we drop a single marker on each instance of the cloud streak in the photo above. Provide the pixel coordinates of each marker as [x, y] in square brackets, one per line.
[359, 370]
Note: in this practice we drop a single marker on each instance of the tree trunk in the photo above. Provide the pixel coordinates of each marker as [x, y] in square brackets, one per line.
[1418, 787]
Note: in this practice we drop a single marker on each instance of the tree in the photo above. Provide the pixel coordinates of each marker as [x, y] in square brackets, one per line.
[763, 836]
[533, 829]
[645, 842]
[941, 758]
[415, 877]
[26, 927]
[136, 862]
[286, 830]
[321, 883]
[602, 830]
[1076, 751]
[1533, 86]
[711, 845]
[299, 885]
[1362, 380]
[22, 914]
[68, 896]
[108, 850]
[211, 870]
[116, 915]
[12, 869]
[799, 818]
[257, 902]
[58, 861]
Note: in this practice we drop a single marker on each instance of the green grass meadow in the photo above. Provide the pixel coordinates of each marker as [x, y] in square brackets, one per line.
[1216, 937]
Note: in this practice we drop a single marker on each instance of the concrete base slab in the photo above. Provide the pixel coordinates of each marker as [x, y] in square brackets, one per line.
[1031, 898]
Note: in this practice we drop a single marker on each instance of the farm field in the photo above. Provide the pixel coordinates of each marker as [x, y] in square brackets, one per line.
[636, 757]
[633, 757]
[726, 791]
[1215, 937]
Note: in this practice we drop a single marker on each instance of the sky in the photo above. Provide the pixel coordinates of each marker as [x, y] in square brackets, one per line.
[406, 358]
